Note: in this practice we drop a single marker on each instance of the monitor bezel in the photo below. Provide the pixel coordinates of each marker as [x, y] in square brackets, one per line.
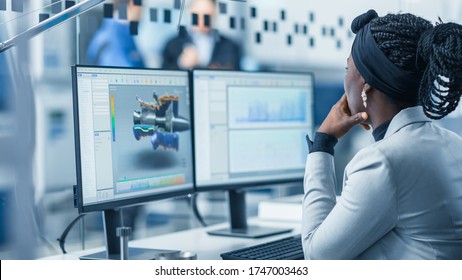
[242, 185]
[126, 202]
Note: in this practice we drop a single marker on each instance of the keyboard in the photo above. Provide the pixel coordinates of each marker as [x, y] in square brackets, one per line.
[289, 248]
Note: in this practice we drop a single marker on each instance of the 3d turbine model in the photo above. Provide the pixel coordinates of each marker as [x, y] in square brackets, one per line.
[160, 121]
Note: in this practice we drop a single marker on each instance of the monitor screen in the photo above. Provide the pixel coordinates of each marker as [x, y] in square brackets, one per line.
[250, 128]
[133, 136]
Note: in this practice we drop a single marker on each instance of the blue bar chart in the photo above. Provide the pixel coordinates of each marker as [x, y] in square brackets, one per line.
[264, 106]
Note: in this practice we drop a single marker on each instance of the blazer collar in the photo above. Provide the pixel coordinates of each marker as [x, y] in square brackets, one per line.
[406, 117]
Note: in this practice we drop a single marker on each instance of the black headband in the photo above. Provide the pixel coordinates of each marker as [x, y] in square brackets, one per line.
[379, 72]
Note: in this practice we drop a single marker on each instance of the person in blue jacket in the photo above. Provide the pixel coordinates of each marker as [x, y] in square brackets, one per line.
[112, 44]
[402, 195]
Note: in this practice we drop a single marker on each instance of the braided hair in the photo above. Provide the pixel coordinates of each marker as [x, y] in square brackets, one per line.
[415, 45]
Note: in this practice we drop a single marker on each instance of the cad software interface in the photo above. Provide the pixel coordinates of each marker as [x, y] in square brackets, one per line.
[134, 129]
[250, 127]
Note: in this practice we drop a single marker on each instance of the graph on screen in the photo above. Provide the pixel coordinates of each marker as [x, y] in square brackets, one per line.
[267, 127]
[264, 106]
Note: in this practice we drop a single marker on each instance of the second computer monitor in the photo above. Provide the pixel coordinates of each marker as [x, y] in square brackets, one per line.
[250, 128]
[249, 131]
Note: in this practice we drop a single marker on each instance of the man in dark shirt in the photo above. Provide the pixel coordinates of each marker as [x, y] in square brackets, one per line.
[201, 46]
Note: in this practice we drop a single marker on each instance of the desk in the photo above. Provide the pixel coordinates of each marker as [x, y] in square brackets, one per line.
[207, 247]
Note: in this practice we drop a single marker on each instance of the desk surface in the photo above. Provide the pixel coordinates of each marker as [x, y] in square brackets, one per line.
[207, 247]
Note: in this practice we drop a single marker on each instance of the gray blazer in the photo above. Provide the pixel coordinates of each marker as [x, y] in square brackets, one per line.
[401, 199]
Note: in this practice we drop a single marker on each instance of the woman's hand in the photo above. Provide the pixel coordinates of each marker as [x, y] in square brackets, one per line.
[340, 121]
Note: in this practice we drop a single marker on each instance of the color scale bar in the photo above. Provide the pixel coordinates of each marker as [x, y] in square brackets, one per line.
[113, 118]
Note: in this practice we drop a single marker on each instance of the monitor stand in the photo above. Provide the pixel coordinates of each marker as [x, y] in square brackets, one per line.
[112, 220]
[238, 216]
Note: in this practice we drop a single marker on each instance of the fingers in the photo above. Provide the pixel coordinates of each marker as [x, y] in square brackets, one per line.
[358, 118]
[344, 105]
[339, 120]
[363, 116]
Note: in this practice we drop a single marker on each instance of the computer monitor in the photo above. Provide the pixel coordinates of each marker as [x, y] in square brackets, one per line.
[249, 130]
[133, 141]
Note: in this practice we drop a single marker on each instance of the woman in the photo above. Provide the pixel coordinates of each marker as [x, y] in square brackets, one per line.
[402, 196]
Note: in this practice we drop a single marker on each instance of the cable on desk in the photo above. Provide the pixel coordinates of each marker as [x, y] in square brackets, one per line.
[63, 236]
[196, 210]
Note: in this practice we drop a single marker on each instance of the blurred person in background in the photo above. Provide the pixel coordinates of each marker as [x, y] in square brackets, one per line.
[112, 44]
[201, 46]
